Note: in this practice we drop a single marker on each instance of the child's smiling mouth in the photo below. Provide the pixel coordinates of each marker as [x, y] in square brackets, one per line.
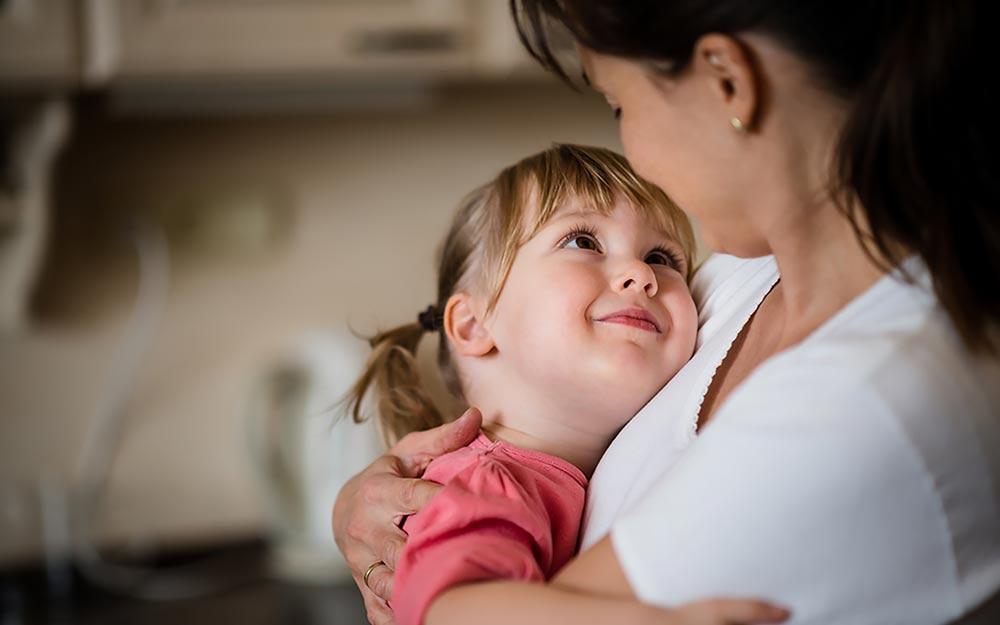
[634, 317]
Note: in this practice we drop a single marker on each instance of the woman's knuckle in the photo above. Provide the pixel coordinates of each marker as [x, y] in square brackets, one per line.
[408, 495]
[390, 552]
[370, 492]
[353, 529]
[380, 586]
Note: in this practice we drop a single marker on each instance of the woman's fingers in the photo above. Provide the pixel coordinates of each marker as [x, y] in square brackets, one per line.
[376, 610]
[387, 545]
[369, 506]
[405, 496]
[417, 449]
[380, 582]
[730, 612]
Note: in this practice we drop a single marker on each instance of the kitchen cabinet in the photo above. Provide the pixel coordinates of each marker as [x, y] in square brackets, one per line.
[239, 39]
[39, 44]
[220, 43]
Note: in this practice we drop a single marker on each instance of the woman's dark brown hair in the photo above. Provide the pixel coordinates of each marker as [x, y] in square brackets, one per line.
[915, 154]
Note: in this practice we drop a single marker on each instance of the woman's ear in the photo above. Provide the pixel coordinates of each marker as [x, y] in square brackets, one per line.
[463, 324]
[728, 65]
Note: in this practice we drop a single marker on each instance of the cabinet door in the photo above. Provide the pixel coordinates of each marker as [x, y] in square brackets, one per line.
[39, 40]
[284, 38]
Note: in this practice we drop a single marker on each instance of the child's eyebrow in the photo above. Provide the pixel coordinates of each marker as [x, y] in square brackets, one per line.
[560, 216]
[577, 213]
[664, 235]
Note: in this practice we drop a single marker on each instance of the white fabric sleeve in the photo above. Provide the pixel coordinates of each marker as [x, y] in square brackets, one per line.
[813, 499]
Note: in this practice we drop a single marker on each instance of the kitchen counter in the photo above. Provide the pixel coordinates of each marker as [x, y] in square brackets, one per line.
[252, 597]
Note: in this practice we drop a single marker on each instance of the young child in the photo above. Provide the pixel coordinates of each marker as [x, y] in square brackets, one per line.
[562, 308]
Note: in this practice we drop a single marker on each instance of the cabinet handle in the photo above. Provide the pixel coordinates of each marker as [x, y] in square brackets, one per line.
[405, 40]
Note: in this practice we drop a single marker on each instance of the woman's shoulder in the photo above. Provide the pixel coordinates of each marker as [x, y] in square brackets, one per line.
[894, 343]
[886, 403]
[894, 353]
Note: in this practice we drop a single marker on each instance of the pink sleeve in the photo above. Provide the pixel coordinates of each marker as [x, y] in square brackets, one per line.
[482, 525]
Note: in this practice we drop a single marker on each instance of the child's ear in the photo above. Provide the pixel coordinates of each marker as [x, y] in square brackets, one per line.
[463, 324]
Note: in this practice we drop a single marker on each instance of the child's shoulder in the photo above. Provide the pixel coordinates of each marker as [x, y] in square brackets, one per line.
[486, 464]
[481, 456]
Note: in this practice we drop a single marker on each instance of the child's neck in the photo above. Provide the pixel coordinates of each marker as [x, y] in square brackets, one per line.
[583, 449]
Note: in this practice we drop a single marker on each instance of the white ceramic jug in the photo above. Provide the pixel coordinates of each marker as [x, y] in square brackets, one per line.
[304, 448]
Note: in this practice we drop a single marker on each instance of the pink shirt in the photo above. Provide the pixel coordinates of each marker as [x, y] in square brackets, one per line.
[504, 513]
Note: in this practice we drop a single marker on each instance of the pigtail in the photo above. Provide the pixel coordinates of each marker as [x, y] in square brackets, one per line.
[391, 376]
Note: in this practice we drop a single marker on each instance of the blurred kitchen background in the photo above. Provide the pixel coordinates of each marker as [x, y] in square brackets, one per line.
[199, 199]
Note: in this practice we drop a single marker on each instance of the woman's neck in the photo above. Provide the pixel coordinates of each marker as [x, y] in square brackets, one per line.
[822, 263]
[823, 267]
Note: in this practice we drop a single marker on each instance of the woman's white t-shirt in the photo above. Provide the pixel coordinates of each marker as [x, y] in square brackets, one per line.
[854, 477]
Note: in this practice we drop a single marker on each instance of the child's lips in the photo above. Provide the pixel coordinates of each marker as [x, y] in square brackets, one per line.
[634, 317]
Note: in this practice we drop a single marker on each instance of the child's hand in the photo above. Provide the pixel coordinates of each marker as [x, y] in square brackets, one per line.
[370, 505]
[723, 612]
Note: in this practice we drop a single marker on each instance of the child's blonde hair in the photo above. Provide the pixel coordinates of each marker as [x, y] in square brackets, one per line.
[491, 225]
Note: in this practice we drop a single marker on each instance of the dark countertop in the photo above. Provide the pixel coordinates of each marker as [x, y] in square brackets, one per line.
[250, 595]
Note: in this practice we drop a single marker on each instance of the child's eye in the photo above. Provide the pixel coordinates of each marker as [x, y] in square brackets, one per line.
[663, 256]
[581, 238]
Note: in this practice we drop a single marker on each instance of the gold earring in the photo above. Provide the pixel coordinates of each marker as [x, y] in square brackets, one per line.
[737, 124]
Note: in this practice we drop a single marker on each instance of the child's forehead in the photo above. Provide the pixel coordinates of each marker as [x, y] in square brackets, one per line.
[578, 207]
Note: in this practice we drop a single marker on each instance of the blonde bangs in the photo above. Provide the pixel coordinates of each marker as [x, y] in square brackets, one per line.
[596, 176]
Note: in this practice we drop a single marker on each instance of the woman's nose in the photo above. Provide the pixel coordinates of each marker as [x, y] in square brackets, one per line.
[637, 276]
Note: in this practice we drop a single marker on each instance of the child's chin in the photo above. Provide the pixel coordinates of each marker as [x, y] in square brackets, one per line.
[631, 372]
[635, 357]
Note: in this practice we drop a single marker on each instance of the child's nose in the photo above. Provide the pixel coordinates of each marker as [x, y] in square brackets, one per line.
[637, 276]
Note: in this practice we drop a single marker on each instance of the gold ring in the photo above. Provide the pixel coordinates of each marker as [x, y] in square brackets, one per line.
[368, 572]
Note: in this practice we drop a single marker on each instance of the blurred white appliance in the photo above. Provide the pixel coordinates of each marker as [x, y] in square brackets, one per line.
[304, 448]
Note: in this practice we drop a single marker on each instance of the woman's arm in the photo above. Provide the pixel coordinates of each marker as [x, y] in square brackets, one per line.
[591, 589]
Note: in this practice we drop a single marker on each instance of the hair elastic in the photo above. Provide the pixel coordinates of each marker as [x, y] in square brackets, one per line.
[430, 320]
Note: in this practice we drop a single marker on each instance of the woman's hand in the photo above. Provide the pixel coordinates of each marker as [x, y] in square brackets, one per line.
[370, 506]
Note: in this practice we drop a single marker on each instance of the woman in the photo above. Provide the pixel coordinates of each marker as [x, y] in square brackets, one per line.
[834, 445]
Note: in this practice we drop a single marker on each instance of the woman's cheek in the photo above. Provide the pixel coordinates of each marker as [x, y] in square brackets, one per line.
[634, 147]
